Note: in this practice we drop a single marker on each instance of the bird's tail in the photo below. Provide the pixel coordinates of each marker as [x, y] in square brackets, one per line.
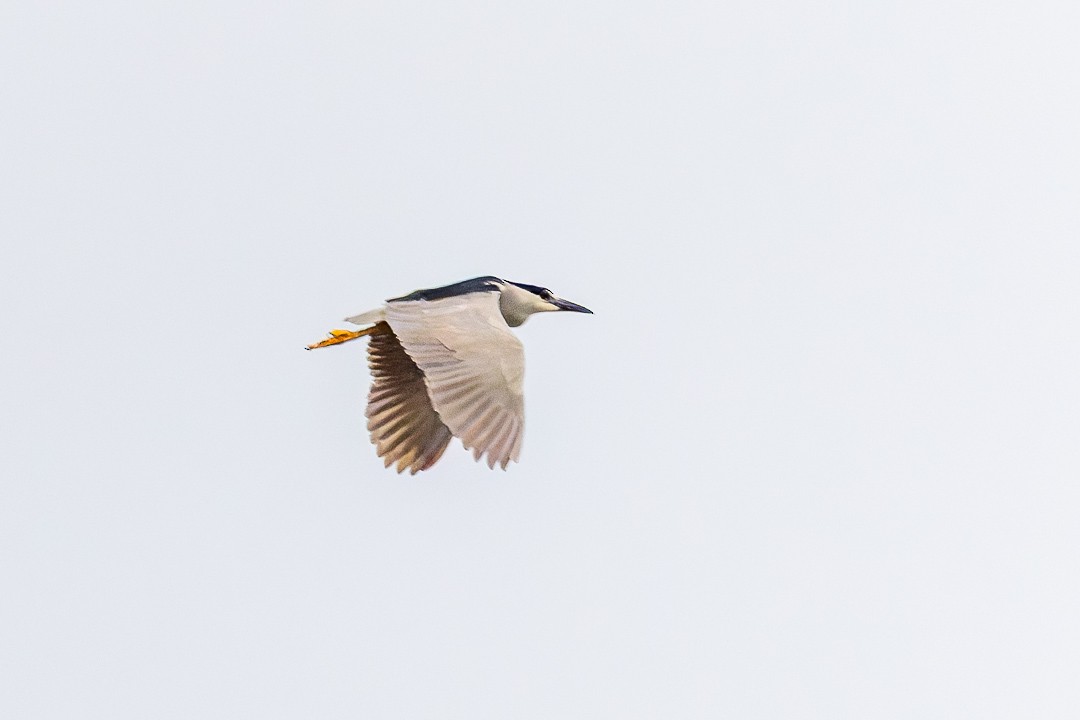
[339, 336]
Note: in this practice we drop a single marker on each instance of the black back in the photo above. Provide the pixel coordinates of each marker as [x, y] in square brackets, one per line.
[487, 283]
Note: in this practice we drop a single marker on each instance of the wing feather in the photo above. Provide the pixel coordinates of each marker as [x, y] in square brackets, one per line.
[473, 366]
[404, 426]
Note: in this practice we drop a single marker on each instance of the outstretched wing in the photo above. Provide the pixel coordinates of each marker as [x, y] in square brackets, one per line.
[473, 365]
[404, 427]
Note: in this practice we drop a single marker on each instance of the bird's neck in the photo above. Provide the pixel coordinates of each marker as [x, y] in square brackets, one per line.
[517, 304]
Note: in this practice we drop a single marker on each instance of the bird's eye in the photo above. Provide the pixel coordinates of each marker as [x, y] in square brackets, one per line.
[545, 294]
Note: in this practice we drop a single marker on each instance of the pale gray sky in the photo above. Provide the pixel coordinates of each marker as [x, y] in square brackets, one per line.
[814, 456]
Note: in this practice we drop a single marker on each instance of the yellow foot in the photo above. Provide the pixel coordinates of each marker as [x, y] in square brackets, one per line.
[339, 336]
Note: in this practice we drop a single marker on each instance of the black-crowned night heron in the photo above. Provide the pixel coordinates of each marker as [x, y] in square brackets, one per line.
[445, 364]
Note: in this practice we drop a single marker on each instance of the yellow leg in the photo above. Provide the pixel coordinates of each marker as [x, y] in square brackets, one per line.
[339, 336]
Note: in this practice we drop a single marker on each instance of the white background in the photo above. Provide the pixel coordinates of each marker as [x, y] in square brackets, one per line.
[814, 456]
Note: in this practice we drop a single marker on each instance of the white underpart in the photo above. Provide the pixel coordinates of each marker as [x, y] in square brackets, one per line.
[517, 304]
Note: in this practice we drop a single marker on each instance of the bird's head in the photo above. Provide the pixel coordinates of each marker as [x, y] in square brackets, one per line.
[520, 300]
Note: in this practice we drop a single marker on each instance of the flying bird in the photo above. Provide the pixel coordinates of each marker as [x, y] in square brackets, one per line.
[445, 364]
